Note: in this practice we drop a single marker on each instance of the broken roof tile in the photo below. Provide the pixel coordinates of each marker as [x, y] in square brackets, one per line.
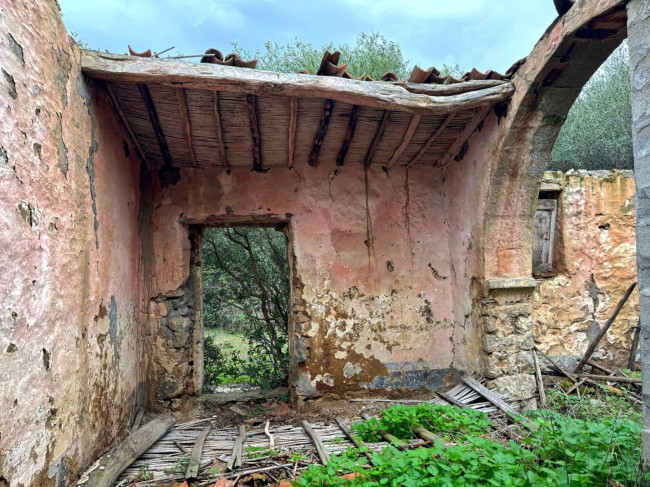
[329, 66]
[231, 59]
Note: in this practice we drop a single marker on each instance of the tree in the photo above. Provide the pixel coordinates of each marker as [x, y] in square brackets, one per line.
[246, 287]
[597, 133]
[372, 54]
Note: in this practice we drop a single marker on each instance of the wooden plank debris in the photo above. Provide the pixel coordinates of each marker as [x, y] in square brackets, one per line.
[498, 402]
[137, 420]
[195, 458]
[267, 432]
[320, 449]
[452, 400]
[386, 436]
[387, 96]
[566, 373]
[631, 361]
[540, 382]
[594, 343]
[612, 378]
[111, 465]
[235, 457]
[348, 434]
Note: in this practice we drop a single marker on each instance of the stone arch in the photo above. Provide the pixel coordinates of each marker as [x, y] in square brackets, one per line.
[547, 84]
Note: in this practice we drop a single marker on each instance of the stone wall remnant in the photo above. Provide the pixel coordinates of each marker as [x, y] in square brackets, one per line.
[594, 263]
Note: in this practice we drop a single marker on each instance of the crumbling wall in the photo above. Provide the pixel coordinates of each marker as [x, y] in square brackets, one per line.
[595, 262]
[496, 337]
[372, 305]
[69, 246]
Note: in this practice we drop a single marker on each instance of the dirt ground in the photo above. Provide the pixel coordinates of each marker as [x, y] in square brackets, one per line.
[322, 409]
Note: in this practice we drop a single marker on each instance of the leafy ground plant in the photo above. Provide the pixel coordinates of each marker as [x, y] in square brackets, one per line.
[399, 421]
[564, 451]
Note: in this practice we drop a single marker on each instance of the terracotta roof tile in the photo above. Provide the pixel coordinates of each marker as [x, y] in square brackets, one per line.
[329, 66]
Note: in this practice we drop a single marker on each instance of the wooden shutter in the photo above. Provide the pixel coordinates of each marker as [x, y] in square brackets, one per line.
[543, 234]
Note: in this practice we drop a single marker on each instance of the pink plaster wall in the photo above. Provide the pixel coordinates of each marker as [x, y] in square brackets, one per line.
[373, 312]
[69, 247]
[467, 190]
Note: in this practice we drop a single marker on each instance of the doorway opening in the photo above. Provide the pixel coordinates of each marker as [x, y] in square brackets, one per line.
[245, 281]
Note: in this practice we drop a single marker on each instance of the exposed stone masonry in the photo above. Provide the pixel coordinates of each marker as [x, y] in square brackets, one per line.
[172, 342]
[508, 338]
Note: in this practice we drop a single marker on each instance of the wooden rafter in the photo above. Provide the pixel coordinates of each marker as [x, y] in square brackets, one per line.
[387, 96]
[185, 118]
[293, 123]
[378, 135]
[349, 134]
[320, 133]
[155, 123]
[431, 139]
[455, 146]
[124, 121]
[251, 104]
[415, 121]
[217, 119]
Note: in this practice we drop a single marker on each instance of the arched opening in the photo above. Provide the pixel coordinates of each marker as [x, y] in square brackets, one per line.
[547, 85]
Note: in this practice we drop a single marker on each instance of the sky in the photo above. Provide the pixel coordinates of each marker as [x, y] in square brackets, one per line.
[486, 34]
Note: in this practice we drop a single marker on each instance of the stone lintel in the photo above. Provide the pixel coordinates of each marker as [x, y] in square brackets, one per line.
[548, 186]
[516, 284]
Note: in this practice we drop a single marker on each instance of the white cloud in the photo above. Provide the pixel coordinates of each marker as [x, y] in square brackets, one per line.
[421, 9]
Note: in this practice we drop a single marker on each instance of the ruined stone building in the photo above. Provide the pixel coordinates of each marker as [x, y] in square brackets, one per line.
[408, 207]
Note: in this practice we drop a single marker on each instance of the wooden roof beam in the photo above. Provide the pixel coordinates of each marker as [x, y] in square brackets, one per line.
[415, 121]
[155, 123]
[455, 146]
[320, 132]
[431, 139]
[217, 121]
[387, 96]
[115, 105]
[293, 123]
[375, 141]
[349, 135]
[251, 105]
[185, 117]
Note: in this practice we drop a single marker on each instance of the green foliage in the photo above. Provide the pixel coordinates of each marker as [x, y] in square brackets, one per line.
[246, 289]
[597, 133]
[564, 452]
[180, 466]
[399, 420]
[259, 452]
[372, 54]
[145, 473]
[222, 366]
[591, 408]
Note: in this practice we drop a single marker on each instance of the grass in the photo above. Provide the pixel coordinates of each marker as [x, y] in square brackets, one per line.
[228, 341]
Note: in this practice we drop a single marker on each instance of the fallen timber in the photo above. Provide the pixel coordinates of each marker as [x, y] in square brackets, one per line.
[164, 460]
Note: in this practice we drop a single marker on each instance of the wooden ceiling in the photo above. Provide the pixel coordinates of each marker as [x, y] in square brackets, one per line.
[184, 114]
